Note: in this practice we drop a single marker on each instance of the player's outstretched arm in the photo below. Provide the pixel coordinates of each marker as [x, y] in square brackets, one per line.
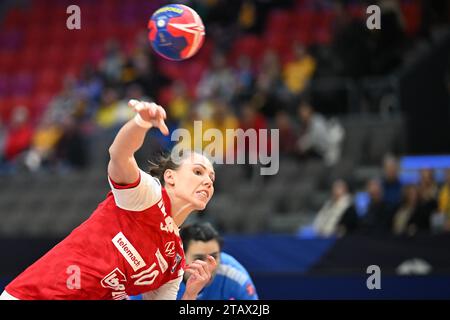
[122, 167]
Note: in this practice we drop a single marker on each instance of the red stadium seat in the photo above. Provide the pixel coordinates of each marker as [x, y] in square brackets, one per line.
[303, 20]
[7, 61]
[412, 14]
[29, 60]
[49, 80]
[4, 85]
[15, 18]
[54, 56]
[165, 96]
[170, 69]
[21, 83]
[279, 21]
[249, 45]
[357, 11]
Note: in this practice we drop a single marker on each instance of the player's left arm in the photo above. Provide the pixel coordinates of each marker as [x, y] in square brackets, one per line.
[200, 275]
[167, 291]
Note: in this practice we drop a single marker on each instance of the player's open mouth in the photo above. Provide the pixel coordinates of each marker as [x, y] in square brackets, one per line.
[203, 193]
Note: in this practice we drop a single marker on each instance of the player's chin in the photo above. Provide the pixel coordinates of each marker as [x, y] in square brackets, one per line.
[200, 204]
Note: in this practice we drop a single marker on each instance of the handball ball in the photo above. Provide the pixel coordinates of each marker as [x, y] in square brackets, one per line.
[176, 32]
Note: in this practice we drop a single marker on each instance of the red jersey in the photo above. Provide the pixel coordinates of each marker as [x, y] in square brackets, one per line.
[128, 246]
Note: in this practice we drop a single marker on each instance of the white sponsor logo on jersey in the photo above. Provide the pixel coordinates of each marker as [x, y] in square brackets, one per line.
[113, 281]
[163, 265]
[128, 251]
[170, 248]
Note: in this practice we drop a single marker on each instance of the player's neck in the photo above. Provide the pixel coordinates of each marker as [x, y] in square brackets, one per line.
[179, 208]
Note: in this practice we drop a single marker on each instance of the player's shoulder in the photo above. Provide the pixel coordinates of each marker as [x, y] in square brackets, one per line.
[227, 259]
[231, 269]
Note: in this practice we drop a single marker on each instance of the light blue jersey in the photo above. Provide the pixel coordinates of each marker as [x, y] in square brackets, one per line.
[232, 282]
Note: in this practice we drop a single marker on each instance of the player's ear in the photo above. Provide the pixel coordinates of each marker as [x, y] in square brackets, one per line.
[169, 178]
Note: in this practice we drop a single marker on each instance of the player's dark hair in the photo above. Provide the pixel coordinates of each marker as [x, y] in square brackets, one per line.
[160, 165]
[165, 162]
[199, 232]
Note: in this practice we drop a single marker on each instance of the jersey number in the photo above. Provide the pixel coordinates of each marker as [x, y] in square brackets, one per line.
[146, 277]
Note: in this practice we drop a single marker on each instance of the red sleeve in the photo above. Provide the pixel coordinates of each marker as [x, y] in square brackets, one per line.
[126, 186]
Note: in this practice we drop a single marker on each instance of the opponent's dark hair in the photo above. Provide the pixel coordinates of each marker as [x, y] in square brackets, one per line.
[199, 232]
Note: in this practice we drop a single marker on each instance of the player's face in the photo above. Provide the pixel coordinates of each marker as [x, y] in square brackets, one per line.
[199, 250]
[194, 181]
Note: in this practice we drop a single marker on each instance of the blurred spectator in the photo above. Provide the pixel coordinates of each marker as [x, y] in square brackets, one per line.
[318, 138]
[247, 15]
[222, 119]
[268, 94]
[43, 146]
[338, 215]
[112, 63]
[89, 87]
[388, 43]
[72, 148]
[188, 124]
[108, 115]
[427, 206]
[392, 186]
[19, 134]
[244, 79]
[297, 73]
[288, 138]
[64, 102]
[378, 218]
[269, 77]
[444, 200]
[142, 71]
[178, 106]
[350, 45]
[218, 81]
[251, 119]
[427, 185]
[408, 209]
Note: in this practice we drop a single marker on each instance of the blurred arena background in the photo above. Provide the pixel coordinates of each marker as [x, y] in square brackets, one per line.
[379, 123]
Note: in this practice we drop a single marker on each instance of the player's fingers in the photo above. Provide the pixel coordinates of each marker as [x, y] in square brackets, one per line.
[202, 267]
[163, 112]
[195, 273]
[212, 263]
[151, 107]
[136, 105]
[132, 103]
[163, 127]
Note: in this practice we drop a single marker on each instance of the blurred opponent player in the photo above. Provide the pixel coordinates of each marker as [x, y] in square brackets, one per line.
[230, 280]
[130, 245]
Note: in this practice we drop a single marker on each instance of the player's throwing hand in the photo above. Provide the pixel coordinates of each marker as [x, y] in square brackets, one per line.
[149, 115]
